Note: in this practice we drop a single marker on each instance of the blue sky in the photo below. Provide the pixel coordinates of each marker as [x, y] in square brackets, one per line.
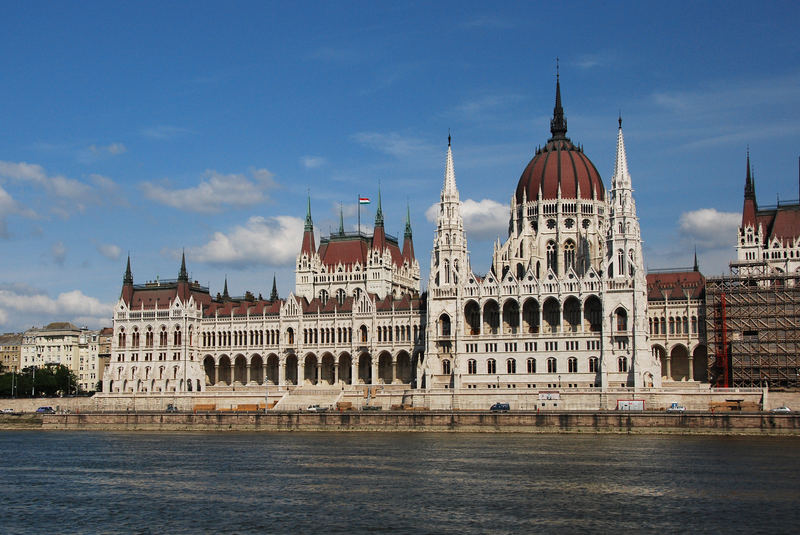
[155, 127]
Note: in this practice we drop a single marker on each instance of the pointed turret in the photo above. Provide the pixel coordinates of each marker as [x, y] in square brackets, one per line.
[620, 179]
[308, 246]
[558, 125]
[127, 283]
[183, 280]
[379, 234]
[408, 242]
[750, 205]
[341, 221]
[273, 296]
[449, 173]
[183, 275]
[696, 265]
[225, 289]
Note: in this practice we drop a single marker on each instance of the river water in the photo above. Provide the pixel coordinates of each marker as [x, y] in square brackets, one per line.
[105, 482]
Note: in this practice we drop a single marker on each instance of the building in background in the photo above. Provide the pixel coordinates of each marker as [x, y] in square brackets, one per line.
[10, 351]
[88, 360]
[56, 343]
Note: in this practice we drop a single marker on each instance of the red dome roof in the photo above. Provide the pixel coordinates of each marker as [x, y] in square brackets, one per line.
[560, 163]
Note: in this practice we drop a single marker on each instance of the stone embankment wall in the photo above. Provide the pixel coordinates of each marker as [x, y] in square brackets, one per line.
[425, 421]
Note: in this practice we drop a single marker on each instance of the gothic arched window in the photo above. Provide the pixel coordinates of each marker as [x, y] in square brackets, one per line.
[569, 255]
[552, 256]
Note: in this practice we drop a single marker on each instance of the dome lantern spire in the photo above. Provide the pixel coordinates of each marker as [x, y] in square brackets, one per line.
[558, 125]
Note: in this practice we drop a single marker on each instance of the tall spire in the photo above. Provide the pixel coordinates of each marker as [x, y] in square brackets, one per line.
[128, 278]
[273, 296]
[696, 265]
[225, 289]
[749, 186]
[449, 171]
[341, 221]
[558, 125]
[408, 241]
[620, 177]
[408, 221]
[309, 224]
[183, 275]
[308, 247]
[379, 212]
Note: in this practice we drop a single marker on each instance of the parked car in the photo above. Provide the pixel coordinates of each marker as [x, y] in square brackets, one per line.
[316, 408]
[500, 407]
[781, 410]
[676, 408]
[7, 411]
[46, 410]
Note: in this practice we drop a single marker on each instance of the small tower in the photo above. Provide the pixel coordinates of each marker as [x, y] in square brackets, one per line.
[308, 246]
[273, 296]
[183, 280]
[127, 283]
[408, 242]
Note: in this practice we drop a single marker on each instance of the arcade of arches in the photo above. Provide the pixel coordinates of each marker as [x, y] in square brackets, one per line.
[311, 369]
[681, 365]
[573, 316]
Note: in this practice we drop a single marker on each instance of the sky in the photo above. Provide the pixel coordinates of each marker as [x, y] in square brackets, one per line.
[152, 128]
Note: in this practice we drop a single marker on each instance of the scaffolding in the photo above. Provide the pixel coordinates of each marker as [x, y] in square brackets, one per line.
[753, 330]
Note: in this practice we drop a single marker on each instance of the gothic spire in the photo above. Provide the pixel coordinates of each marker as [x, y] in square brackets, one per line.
[225, 289]
[309, 224]
[379, 212]
[183, 275]
[341, 221]
[558, 125]
[408, 222]
[128, 278]
[274, 295]
[449, 171]
[696, 266]
[621, 178]
[749, 186]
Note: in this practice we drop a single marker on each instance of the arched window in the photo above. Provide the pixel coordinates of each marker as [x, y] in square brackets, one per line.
[630, 262]
[622, 362]
[569, 255]
[552, 366]
[663, 326]
[511, 366]
[446, 271]
[622, 319]
[323, 296]
[694, 324]
[671, 325]
[444, 325]
[472, 367]
[363, 331]
[176, 336]
[290, 336]
[621, 262]
[341, 295]
[572, 365]
[552, 256]
[446, 367]
[491, 366]
[594, 364]
[686, 325]
[531, 365]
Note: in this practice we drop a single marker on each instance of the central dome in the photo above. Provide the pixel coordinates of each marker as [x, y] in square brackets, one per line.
[560, 165]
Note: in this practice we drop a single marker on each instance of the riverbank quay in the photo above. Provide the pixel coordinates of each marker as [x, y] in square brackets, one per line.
[580, 422]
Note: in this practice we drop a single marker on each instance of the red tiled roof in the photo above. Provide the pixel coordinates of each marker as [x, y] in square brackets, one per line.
[675, 285]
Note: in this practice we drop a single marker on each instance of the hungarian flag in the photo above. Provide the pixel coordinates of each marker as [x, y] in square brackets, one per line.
[363, 200]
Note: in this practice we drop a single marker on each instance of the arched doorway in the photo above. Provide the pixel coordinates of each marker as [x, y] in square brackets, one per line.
[700, 367]
[551, 314]
[572, 314]
[472, 318]
[272, 369]
[208, 367]
[327, 369]
[224, 370]
[310, 369]
[679, 360]
[491, 317]
[291, 369]
[257, 369]
[593, 314]
[240, 370]
[510, 317]
[530, 316]
[385, 368]
[346, 368]
[365, 369]
[404, 372]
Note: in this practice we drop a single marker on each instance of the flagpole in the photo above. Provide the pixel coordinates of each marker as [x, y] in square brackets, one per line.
[358, 202]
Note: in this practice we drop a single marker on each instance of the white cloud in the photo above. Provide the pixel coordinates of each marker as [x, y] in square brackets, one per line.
[710, 228]
[109, 250]
[483, 220]
[59, 252]
[269, 241]
[214, 191]
[164, 131]
[113, 149]
[313, 162]
[27, 308]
